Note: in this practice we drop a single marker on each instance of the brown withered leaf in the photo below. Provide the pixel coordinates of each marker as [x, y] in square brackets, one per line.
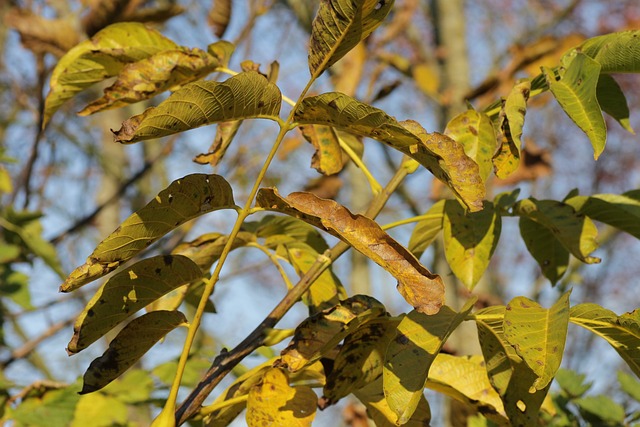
[225, 132]
[102, 13]
[41, 35]
[325, 187]
[219, 16]
[419, 287]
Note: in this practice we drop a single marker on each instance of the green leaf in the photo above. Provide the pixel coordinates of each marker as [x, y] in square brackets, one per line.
[53, 408]
[546, 249]
[572, 383]
[127, 292]
[409, 356]
[427, 229]
[99, 58]
[131, 343]
[575, 90]
[98, 410]
[617, 210]
[612, 101]
[615, 52]
[622, 332]
[273, 227]
[507, 159]
[475, 132]
[144, 79]
[601, 411]
[246, 95]
[470, 240]
[629, 385]
[184, 199]
[444, 157]
[538, 335]
[133, 387]
[15, 286]
[576, 232]
[419, 287]
[328, 157]
[339, 26]
[323, 331]
[206, 249]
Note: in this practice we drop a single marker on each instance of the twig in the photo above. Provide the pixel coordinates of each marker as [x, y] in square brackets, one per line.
[29, 346]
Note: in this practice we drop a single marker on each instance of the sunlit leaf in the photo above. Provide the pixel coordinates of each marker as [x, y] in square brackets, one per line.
[53, 408]
[572, 383]
[127, 292]
[444, 157]
[546, 249]
[575, 90]
[246, 95]
[507, 159]
[465, 379]
[184, 199]
[131, 343]
[206, 249]
[622, 332]
[133, 387]
[475, 132]
[327, 158]
[273, 402]
[630, 385]
[427, 229]
[470, 238]
[601, 410]
[144, 79]
[360, 359]
[575, 232]
[420, 288]
[323, 331]
[612, 100]
[99, 410]
[615, 52]
[617, 210]
[372, 396]
[99, 58]
[409, 356]
[538, 335]
[339, 26]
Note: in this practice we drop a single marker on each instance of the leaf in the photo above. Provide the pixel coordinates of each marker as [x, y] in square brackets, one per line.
[184, 199]
[274, 402]
[474, 131]
[617, 210]
[243, 96]
[129, 346]
[440, 154]
[127, 292]
[572, 383]
[615, 52]
[206, 249]
[98, 410]
[629, 385]
[470, 240]
[144, 79]
[575, 90]
[427, 229]
[339, 26]
[53, 408]
[538, 335]
[575, 232]
[622, 332]
[465, 379]
[222, 50]
[360, 359]
[327, 158]
[219, 16]
[601, 411]
[99, 58]
[225, 132]
[409, 356]
[419, 287]
[546, 249]
[507, 159]
[323, 331]
[372, 396]
[612, 101]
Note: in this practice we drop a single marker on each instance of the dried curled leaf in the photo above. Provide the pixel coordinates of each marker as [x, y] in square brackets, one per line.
[246, 95]
[420, 288]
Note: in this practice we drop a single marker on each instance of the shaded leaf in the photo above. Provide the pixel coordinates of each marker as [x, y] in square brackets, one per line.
[622, 332]
[206, 249]
[274, 402]
[475, 132]
[184, 199]
[612, 100]
[538, 335]
[144, 79]
[465, 379]
[129, 346]
[219, 16]
[99, 58]
[426, 231]
[243, 96]
[601, 411]
[575, 90]
[444, 157]
[546, 249]
[615, 52]
[575, 232]
[339, 26]
[127, 292]
[323, 331]
[470, 240]
[618, 210]
[225, 132]
[222, 51]
[507, 159]
[420, 288]
[409, 356]
[372, 396]
[572, 383]
[39, 34]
